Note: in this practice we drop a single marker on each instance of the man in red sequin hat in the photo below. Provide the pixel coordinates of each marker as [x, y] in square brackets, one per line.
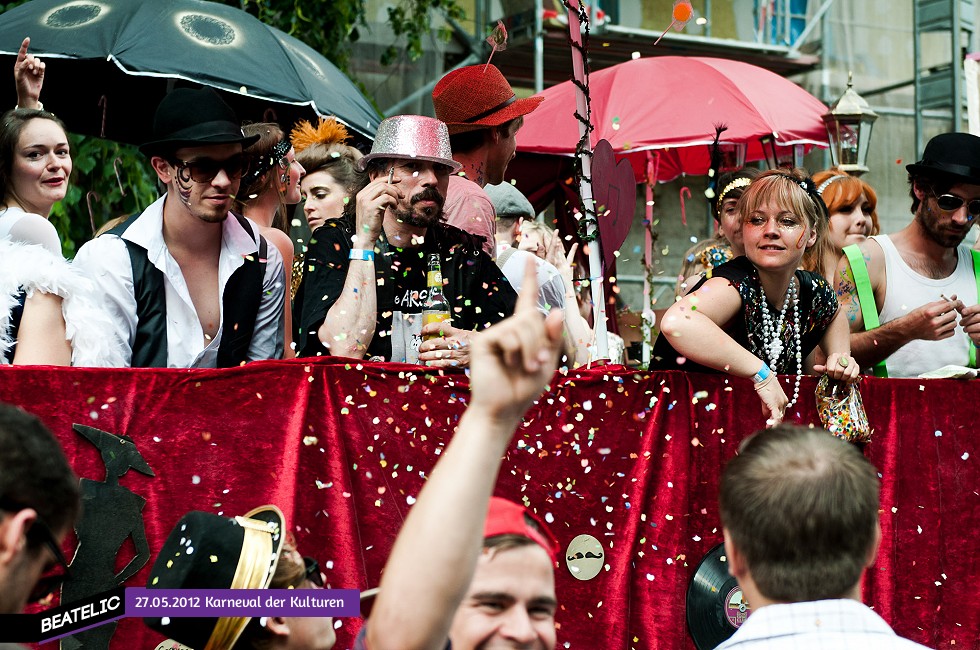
[483, 115]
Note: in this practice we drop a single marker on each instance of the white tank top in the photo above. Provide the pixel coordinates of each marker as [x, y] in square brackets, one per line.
[908, 290]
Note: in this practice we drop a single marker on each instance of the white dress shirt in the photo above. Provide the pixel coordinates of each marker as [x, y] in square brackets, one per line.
[106, 260]
[841, 624]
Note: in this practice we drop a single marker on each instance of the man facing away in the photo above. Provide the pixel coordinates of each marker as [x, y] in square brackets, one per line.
[39, 500]
[483, 115]
[920, 283]
[188, 283]
[365, 282]
[799, 510]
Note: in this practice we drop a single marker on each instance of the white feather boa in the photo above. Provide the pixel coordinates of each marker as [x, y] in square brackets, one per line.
[30, 268]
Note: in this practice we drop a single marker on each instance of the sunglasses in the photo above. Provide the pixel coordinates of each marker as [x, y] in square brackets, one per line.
[39, 531]
[313, 571]
[203, 170]
[951, 203]
[48, 583]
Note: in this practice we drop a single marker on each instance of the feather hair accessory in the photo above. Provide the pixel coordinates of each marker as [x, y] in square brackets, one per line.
[715, 149]
[328, 131]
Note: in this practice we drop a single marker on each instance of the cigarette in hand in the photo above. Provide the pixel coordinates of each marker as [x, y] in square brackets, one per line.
[391, 174]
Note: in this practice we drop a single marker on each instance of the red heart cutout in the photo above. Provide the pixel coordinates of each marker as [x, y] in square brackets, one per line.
[614, 191]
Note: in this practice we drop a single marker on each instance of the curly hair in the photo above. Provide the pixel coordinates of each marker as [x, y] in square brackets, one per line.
[269, 136]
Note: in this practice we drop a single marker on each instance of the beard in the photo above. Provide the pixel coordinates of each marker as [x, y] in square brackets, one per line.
[949, 237]
[422, 217]
[206, 213]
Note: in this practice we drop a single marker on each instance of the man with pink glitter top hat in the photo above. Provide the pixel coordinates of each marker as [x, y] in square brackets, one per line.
[483, 116]
[365, 281]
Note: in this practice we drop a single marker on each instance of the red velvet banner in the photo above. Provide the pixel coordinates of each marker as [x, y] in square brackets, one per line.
[630, 458]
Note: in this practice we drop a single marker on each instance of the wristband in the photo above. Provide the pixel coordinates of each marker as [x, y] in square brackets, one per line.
[361, 254]
[763, 373]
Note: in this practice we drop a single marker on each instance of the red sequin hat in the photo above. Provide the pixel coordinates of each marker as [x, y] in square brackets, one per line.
[478, 97]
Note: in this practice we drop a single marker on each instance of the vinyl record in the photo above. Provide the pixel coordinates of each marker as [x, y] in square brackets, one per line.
[715, 606]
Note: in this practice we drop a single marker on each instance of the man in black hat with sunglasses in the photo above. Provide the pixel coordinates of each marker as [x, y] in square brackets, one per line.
[911, 297]
[188, 283]
[39, 500]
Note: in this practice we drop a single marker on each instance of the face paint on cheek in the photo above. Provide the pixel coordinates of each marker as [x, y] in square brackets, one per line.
[799, 242]
[183, 190]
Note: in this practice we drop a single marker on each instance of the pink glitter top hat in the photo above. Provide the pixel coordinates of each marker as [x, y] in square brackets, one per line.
[412, 137]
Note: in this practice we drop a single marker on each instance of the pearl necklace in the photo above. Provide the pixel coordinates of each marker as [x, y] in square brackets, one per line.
[772, 341]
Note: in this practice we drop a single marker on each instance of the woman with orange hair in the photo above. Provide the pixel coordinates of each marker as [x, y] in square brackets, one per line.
[851, 203]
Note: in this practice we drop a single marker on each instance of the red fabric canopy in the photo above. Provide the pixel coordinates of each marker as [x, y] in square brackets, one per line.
[631, 458]
[672, 104]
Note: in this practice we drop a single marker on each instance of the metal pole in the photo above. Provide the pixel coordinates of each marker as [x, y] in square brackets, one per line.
[917, 65]
[810, 26]
[956, 65]
[538, 45]
[595, 250]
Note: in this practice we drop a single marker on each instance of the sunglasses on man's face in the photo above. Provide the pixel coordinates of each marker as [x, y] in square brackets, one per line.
[203, 170]
[951, 203]
[313, 571]
[40, 532]
[53, 578]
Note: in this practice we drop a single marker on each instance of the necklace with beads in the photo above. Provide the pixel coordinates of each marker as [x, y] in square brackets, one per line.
[772, 340]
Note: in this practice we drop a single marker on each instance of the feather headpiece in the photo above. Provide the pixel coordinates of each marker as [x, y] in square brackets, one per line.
[712, 190]
[328, 131]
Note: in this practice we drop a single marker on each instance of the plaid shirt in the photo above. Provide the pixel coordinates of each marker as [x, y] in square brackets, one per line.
[841, 624]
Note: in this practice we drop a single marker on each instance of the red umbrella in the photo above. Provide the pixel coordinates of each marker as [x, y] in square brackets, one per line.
[671, 104]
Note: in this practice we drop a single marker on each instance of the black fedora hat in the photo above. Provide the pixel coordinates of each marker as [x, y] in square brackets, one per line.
[951, 155]
[190, 117]
[207, 551]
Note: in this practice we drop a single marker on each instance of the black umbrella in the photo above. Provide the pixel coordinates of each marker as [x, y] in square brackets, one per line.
[109, 62]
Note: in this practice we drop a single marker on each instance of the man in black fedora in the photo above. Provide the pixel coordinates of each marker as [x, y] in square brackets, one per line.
[188, 283]
[911, 297]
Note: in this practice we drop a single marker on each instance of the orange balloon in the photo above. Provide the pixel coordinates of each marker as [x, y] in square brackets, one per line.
[682, 12]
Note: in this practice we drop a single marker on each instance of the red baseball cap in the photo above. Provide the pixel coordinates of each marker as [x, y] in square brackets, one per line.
[508, 518]
[503, 518]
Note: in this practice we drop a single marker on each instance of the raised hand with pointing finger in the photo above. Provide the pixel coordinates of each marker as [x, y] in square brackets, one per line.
[28, 77]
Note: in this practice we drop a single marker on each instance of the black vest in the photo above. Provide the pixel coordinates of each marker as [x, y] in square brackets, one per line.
[240, 304]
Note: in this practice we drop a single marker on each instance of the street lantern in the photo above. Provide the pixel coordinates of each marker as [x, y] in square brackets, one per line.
[849, 123]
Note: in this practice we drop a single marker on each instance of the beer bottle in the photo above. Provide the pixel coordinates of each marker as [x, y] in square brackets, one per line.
[436, 308]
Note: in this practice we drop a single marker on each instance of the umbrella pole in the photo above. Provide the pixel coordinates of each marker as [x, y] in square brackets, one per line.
[649, 318]
[585, 188]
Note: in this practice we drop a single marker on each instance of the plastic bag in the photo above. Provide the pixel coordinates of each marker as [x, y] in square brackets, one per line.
[841, 410]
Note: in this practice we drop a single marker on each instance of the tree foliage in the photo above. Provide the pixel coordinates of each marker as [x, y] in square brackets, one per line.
[330, 26]
[111, 179]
